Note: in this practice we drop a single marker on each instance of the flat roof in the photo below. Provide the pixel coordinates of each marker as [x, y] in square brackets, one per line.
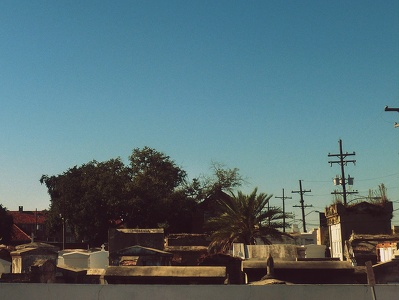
[280, 264]
[166, 271]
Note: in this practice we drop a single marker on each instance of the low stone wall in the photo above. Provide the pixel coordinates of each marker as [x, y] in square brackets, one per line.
[15, 291]
[278, 251]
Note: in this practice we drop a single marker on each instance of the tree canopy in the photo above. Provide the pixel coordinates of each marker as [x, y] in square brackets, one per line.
[151, 191]
[244, 218]
[154, 190]
[222, 179]
[88, 198]
[147, 193]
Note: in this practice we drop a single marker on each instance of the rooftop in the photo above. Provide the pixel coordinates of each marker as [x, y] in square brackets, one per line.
[280, 264]
[28, 217]
[166, 271]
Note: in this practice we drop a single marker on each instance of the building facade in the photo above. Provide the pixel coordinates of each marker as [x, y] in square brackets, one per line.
[360, 218]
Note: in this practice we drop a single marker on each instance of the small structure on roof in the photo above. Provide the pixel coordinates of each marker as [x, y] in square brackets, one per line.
[386, 250]
[187, 248]
[278, 251]
[43, 271]
[84, 259]
[140, 256]
[77, 259]
[122, 238]
[99, 259]
[234, 269]
[362, 218]
[26, 255]
[71, 274]
[80, 275]
[363, 247]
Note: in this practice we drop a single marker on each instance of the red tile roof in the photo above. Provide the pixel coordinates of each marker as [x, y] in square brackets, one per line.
[18, 235]
[28, 217]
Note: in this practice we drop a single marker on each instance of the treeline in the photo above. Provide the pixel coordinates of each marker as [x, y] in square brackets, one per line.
[152, 191]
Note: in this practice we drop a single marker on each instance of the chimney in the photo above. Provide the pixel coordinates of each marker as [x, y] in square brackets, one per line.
[20, 208]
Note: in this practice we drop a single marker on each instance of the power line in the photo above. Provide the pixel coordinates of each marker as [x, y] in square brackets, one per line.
[390, 175]
[365, 179]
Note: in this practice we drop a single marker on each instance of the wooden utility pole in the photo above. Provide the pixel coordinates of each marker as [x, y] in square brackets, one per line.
[302, 206]
[342, 162]
[392, 109]
[283, 198]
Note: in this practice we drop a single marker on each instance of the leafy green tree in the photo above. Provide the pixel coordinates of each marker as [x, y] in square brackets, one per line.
[148, 193]
[88, 198]
[179, 209]
[152, 170]
[156, 185]
[223, 179]
[6, 224]
[244, 218]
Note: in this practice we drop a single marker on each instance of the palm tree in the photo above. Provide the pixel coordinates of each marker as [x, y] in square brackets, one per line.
[243, 218]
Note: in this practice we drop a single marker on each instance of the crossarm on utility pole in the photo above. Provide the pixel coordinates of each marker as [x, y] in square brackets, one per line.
[391, 109]
[396, 125]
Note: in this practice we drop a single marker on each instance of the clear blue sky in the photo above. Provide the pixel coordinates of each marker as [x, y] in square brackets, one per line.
[268, 87]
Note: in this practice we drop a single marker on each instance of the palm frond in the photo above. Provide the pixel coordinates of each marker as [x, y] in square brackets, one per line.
[243, 218]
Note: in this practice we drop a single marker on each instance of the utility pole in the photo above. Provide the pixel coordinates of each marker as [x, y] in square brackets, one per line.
[392, 109]
[342, 162]
[302, 206]
[283, 198]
